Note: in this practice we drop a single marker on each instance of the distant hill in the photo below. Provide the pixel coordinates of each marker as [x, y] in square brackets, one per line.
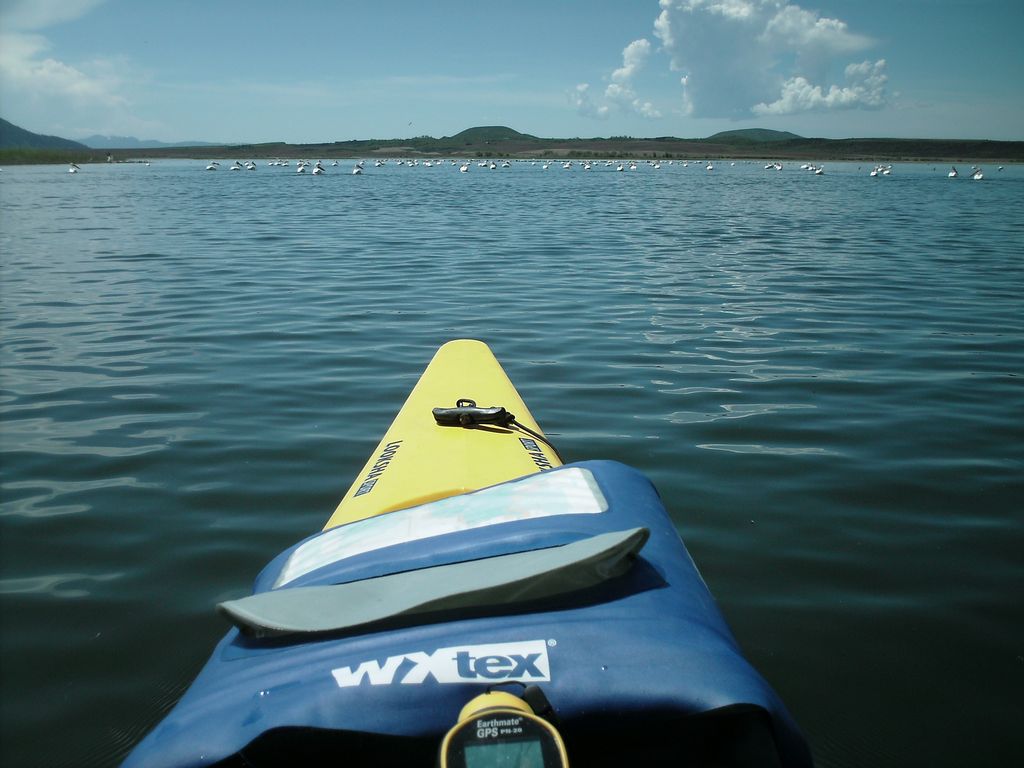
[753, 134]
[490, 141]
[490, 133]
[13, 137]
[98, 141]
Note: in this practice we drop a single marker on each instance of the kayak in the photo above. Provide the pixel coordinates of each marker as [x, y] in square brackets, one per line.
[468, 562]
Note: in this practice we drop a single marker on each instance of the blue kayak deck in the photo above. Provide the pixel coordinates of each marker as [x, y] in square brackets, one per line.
[630, 665]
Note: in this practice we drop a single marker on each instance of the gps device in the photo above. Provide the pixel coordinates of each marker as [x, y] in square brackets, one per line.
[500, 730]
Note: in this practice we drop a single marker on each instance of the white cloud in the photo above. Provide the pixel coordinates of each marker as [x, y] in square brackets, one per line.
[866, 89]
[620, 93]
[634, 56]
[25, 68]
[795, 28]
[746, 57]
[580, 98]
[38, 84]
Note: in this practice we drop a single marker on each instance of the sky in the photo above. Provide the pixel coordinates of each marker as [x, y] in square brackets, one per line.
[312, 71]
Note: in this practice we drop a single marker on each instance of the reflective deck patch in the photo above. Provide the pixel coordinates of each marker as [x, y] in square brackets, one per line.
[572, 491]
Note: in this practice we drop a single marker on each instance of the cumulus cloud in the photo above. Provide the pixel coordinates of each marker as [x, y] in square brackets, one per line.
[620, 93]
[580, 98]
[866, 89]
[620, 90]
[26, 68]
[634, 56]
[745, 57]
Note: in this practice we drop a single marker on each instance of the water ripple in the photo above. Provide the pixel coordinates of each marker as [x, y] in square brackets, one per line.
[821, 375]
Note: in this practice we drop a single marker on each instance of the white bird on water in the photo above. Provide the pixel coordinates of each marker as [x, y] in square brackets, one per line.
[73, 168]
[953, 172]
[977, 175]
[213, 166]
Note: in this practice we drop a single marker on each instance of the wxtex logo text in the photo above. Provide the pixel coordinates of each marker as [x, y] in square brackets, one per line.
[525, 661]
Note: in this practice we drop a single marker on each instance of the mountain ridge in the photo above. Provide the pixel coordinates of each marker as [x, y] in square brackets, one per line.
[16, 137]
[100, 141]
[20, 146]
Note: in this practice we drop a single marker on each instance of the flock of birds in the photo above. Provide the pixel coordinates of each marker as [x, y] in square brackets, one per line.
[976, 172]
[318, 168]
[586, 165]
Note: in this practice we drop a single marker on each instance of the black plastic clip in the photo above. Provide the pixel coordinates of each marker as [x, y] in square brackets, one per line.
[467, 413]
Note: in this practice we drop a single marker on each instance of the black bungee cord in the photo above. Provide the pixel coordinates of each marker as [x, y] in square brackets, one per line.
[468, 414]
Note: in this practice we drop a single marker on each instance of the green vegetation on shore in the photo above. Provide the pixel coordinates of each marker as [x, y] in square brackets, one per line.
[499, 141]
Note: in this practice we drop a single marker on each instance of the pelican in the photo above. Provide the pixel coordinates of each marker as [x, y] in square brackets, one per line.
[357, 169]
[464, 168]
[710, 167]
[977, 175]
[318, 168]
[213, 166]
[72, 168]
[953, 172]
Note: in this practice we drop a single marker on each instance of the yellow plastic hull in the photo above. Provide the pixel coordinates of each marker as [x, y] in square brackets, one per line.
[419, 461]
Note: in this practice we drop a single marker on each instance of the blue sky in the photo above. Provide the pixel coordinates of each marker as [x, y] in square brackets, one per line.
[316, 71]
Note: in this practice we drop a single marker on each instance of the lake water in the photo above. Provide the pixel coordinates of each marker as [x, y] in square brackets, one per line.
[823, 375]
